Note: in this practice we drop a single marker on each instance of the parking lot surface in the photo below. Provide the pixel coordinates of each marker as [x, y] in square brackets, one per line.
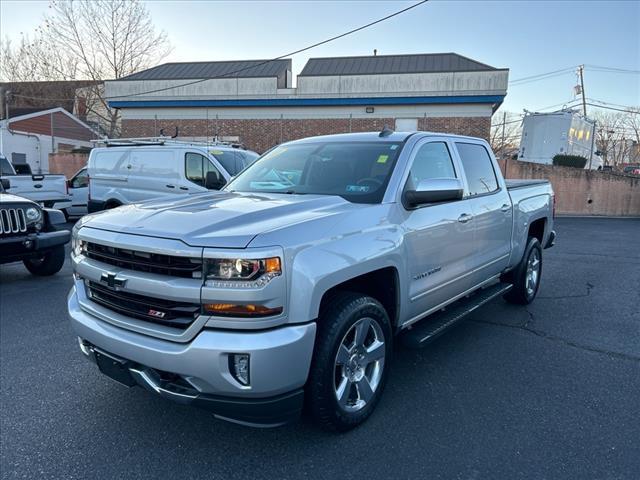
[547, 391]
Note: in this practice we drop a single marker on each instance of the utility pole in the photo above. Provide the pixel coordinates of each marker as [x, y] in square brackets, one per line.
[504, 123]
[584, 101]
[506, 159]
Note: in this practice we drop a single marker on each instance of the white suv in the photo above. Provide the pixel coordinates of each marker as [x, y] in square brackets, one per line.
[126, 172]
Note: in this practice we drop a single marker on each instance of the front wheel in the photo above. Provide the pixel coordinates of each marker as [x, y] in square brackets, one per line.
[350, 364]
[526, 276]
[48, 264]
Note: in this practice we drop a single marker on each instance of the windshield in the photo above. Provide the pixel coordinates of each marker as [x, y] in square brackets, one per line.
[357, 171]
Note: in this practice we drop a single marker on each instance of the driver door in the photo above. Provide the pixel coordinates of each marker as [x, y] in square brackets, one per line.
[439, 237]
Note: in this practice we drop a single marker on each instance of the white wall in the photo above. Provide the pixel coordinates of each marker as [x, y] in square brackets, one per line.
[36, 147]
[380, 111]
[433, 84]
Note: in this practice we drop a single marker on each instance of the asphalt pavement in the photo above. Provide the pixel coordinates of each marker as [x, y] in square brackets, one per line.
[548, 391]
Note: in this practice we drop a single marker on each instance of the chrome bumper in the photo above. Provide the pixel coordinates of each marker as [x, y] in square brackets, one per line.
[280, 357]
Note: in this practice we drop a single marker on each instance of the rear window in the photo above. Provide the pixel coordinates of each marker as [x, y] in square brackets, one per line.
[5, 167]
[478, 168]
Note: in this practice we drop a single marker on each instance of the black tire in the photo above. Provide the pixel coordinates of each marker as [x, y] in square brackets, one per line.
[522, 293]
[49, 264]
[335, 324]
[112, 204]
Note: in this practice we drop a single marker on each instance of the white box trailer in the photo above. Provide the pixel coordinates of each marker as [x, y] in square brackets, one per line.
[545, 135]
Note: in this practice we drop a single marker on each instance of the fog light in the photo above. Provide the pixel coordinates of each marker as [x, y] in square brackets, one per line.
[239, 367]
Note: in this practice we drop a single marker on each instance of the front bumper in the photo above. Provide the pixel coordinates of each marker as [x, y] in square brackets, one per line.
[279, 365]
[24, 246]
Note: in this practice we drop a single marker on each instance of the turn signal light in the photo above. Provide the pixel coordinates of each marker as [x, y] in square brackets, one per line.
[235, 310]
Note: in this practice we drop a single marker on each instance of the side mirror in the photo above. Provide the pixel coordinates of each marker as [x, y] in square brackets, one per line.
[6, 184]
[69, 183]
[433, 190]
[214, 181]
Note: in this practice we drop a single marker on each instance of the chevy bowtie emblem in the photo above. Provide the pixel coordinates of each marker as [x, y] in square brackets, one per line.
[112, 281]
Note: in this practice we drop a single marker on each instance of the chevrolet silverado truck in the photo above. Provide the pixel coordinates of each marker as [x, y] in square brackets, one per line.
[290, 286]
[31, 233]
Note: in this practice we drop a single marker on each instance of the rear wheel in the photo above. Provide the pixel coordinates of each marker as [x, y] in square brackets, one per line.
[526, 276]
[350, 364]
[48, 264]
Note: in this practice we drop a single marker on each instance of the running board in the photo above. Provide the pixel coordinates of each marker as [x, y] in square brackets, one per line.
[423, 332]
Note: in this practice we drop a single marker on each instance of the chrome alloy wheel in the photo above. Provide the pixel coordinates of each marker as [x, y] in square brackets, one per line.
[533, 272]
[359, 364]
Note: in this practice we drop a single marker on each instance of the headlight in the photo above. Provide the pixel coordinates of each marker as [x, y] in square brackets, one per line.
[78, 247]
[243, 270]
[33, 214]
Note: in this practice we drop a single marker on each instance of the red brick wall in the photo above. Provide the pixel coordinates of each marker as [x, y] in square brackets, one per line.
[67, 163]
[262, 134]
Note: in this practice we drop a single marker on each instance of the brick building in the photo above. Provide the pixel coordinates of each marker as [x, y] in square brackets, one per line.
[254, 102]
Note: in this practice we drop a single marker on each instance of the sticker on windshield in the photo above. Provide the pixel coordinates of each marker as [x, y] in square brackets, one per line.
[383, 158]
[358, 188]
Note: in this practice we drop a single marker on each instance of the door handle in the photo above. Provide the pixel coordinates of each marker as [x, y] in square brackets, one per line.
[464, 218]
[505, 207]
[184, 188]
[170, 186]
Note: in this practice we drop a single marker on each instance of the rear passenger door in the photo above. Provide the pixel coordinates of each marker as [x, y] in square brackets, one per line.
[491, 209]
[439, 238]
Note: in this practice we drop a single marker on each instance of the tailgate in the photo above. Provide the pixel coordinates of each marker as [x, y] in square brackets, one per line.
[40, 188]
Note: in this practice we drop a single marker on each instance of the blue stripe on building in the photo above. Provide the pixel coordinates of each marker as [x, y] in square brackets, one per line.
[307, 102]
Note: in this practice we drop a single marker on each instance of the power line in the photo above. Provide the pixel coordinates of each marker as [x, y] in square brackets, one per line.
[290, 54]
[309, 47]
[610, 69]
[540, 76]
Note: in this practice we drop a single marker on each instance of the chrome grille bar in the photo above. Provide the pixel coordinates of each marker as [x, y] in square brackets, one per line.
[12, 220]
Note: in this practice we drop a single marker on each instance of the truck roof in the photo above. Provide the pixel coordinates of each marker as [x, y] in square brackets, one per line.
[375, 136]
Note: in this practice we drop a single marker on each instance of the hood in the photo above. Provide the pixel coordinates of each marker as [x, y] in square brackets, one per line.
[222, 220]
[9, 198]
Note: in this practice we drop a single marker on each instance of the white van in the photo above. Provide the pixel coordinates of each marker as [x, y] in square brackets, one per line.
[129, 171]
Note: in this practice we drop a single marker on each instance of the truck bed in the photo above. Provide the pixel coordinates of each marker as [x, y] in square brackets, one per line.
[513, 184]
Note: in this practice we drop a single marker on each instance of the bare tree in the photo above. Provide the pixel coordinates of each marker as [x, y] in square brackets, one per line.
[90, 40]
[615, 134]
[505, 134]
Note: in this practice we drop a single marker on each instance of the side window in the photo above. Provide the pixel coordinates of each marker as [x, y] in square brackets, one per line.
[196, 168]
[432, 160]
[80, 180]
[478, 168]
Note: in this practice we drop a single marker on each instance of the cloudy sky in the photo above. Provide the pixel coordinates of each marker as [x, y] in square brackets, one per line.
[529, 38]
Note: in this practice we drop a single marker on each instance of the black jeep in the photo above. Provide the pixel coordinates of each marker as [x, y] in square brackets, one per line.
[31, 233]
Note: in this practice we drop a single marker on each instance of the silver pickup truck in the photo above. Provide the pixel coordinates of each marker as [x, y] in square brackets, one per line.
[289, 287]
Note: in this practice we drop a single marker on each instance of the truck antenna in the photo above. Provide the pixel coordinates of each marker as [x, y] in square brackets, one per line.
[386, 131]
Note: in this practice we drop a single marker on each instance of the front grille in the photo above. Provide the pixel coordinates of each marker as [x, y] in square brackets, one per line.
[145, 261]
[174, 314]
[12, 220]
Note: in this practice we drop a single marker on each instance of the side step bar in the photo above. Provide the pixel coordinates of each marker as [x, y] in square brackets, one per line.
[436, 324]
